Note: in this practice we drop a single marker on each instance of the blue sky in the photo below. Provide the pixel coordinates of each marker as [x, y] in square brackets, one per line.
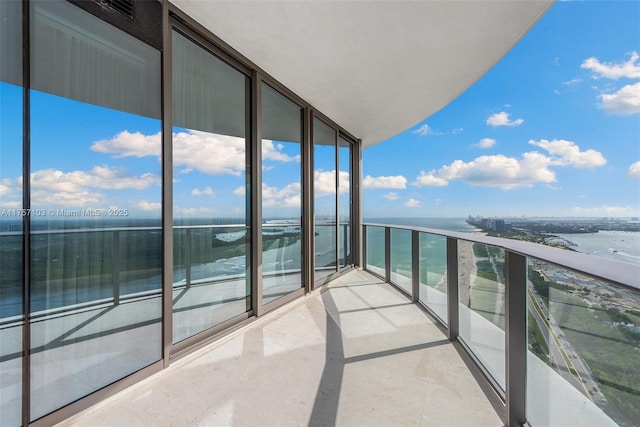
[553, 129]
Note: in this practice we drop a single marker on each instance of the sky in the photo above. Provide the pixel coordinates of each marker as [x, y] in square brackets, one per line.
[553, 129]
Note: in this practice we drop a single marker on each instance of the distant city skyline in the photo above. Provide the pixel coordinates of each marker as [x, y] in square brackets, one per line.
[552, 130]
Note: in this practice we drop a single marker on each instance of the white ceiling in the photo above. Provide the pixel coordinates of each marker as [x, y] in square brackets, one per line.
[376, 68]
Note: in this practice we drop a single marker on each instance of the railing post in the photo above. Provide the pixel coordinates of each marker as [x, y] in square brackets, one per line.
[516, 337]
[115, 268]
[345, 236]
[187, 257]
[453, 320]
[415, 265]
[387, 254]
[364, 247]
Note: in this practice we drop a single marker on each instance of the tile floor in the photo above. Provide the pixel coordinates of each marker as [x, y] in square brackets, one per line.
[355, 353]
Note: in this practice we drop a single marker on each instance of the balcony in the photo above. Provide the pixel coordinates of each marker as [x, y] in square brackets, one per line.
[356, 352]
[473, 337]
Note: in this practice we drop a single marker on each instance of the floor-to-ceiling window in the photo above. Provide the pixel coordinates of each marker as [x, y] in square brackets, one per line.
[11, 219]
[324, 192]
[345, 152]
[82, 190]
[211, 104]
[95, 192]
[281, 148]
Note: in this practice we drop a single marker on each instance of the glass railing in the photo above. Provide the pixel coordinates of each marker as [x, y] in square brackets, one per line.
[556, 332]
[90, 266]
[93, 266]
[281, 259]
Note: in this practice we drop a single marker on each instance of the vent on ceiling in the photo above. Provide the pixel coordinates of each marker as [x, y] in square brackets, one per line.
[124, 7]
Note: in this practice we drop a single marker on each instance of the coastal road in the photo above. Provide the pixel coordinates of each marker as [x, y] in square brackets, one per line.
[568, 363]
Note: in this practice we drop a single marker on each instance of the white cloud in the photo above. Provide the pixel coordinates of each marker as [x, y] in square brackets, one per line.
[486, 143]
[52, 187]
[63, 199]
[634, 170]
[10, 204]
[207, 191]
[424, 130]
[502, 119]
[572, 82]
[391, 196]
[102, 177]
[148, 206]
[413, 203]
[205, 152]
[240, 191]
[629, 69]
[429, 180]
[209, 153]
[567, 153]
[193, 212]
[5, 188]
[605, 210]
[271, 151]
[127, 144]
[325, 182]
[509, 172]
[623, 102]
[288, 196]
[396, 182]
[501, 171]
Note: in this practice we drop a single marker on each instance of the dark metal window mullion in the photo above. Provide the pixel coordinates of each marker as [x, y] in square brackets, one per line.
[256, 194]
[26, 221]
[308, 252]
[337, 183]
[167, 187]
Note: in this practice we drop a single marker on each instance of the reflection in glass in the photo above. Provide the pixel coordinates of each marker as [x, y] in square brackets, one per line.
[481, 301]
[211, 226]
[344, 201]
[95, 186]
[375, 261]
[281, 195]
[11, 311]
[401, 259]
[583, 340]
[433, 274]
[324, 179]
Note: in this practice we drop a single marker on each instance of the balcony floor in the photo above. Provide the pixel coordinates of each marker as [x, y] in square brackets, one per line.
[357, 352]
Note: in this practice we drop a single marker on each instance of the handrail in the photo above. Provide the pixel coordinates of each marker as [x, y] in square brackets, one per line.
[617, 272]
[509, 375]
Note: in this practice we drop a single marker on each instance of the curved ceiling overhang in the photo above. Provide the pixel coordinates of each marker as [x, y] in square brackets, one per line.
[376, 68]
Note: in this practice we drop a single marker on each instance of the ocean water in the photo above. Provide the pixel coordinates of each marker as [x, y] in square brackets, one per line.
[448, 224]
[618, 245]
[621, 246]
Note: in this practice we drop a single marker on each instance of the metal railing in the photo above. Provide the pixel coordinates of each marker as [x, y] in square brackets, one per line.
[490, 295]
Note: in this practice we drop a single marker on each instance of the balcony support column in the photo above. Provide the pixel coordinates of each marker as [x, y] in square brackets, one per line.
[452, 288]
[516, 337]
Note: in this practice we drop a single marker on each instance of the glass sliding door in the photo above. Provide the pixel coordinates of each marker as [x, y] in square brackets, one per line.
[281, 148]
[11, 219]
[324, 188]
[344, 202]
[95, 192]
[211, 281]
